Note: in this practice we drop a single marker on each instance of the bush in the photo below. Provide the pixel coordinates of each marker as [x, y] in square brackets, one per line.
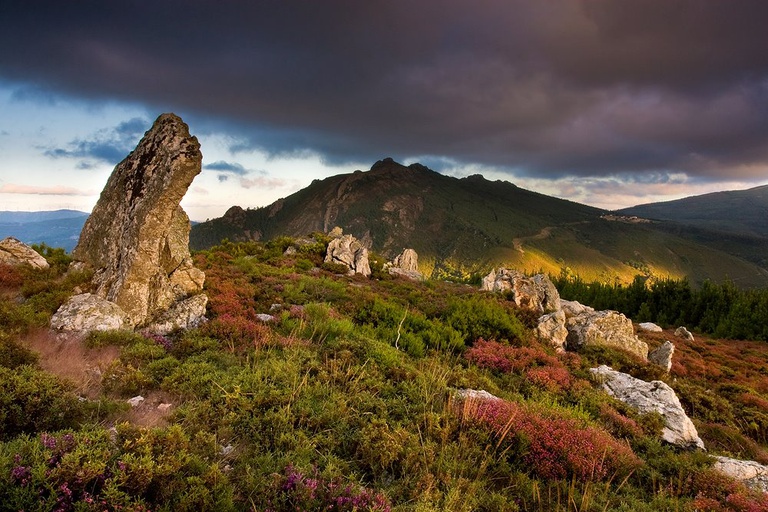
[13, 355]
[32, 400]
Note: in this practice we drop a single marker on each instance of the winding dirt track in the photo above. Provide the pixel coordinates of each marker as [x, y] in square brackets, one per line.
[517, 243]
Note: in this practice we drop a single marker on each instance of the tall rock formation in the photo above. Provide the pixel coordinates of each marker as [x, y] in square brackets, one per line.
[137, 238]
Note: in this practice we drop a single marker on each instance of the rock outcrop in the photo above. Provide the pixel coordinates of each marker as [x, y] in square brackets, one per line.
[604, 328]
[662, 356]
[536, 293]
[654, 396]
[405, 264]
[751, 473]
[348, 251]
[136, 241]
[14, 252]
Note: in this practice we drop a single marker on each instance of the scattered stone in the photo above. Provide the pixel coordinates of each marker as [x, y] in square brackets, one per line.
[662, 356]
[137, 238]
[88, 312]
[536, 293]
[405, 264]
[684, 333]
[551, 330]
[654, 396]
[474, 394]
[263, 317]
[649, 327]
[15, 252]
[164, 407]
[276, 307]
[348, 251]
[226, 450]
[135, 401]
[751, 473]
[604, 328]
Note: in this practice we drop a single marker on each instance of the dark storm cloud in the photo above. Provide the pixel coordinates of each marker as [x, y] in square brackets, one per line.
[587, 88]
[108, 146]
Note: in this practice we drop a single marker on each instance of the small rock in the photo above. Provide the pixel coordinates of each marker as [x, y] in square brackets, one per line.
[164, 407]
[275, 307]
[136, 401]
[649, 327]
[753, 474]
[684, 333]
[226, 450]
[574, 308]
[551, 330]
[263, 317]
[654, 396]
[662, 356]
[474, 394]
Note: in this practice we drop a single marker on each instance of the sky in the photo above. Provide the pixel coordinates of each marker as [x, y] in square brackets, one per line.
[608, 103]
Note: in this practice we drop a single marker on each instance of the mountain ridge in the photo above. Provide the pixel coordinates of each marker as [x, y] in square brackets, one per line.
[465, 226]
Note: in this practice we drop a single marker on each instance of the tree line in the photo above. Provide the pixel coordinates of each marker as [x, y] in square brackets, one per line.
[722, 310]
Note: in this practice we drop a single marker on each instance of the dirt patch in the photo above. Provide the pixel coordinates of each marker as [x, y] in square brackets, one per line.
[153, 411]
[65, 356]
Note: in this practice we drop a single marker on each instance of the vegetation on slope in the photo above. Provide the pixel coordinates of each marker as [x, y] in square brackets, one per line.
[347, 400]
[466, 226]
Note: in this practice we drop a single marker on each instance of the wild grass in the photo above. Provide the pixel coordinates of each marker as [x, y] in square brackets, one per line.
[347, 401]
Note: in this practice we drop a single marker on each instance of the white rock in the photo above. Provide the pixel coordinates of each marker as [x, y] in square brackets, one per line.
[263, 317]
[88, 312]
[662, 356]
[185, 314]
[753, 474]
[136, 401]
[649, 327]
[15, 252]
[551, 329]
[604, 328]
[537, 292]
[574, 308]
[654, 396]
[684, 333]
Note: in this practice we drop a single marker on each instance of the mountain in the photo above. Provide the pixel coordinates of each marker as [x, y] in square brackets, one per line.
[736, 211]
[465, 226]
[59, 228]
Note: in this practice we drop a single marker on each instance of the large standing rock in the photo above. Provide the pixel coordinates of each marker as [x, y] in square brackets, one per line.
[654, 396]
[536, 292]
[684, 333]
[14, 252]
[405, 264]
[662, 356]
[751, 473]
[604, 328]
[347, 250]
[137, 238]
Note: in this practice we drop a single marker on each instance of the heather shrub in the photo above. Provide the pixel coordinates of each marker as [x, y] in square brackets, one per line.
[298, 490]
[127, 469]
[10, 276]
[550, 446]
[13, 355]
[32, 400]
[236, 332]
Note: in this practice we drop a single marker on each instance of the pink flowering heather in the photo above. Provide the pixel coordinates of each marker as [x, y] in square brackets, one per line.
[555, 447]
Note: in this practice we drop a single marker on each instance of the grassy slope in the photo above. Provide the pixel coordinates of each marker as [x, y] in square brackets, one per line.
[346, 396]
[465, 226]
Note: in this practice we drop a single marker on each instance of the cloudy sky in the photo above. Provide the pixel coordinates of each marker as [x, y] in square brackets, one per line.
[609, 103]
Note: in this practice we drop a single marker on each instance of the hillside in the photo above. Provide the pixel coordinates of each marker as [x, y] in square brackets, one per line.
[465, 226]
[59, 228]
[344, 398]
[742, 212]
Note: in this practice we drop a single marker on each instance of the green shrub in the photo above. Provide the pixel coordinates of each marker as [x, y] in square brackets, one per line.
[13, 355]
[32, 400]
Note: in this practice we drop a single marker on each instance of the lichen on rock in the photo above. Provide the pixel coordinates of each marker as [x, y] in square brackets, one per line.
[136, 240]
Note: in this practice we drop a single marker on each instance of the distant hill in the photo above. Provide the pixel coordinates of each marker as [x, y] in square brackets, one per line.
[59, 228]
[464, 226]
[736, 211]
